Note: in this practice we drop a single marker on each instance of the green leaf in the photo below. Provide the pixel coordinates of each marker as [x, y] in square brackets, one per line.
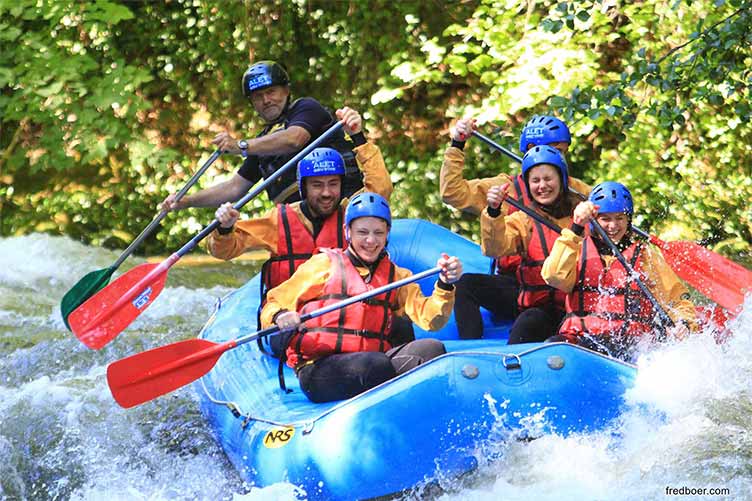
[6, 77]
[53, 89]
[9, 33]
[558, 101]
[113, 13]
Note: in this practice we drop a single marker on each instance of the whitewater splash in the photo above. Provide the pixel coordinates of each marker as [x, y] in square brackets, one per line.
[687, 424]
[62, 435]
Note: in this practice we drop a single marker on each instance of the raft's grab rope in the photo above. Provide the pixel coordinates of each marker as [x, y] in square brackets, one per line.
[232, 406]
[236, 411]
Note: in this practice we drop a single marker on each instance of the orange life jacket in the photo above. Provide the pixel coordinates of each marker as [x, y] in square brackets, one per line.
[605, 301]
[295, 245]
[363, 326]
[534, 291]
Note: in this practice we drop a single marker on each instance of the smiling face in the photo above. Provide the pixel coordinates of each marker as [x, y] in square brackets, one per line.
[323, 194]
[368, 237]
[270, 102]
[615, 224]
[544, 183]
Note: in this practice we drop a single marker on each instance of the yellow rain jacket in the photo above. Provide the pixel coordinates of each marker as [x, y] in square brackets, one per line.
[430, 313]
[510, 235]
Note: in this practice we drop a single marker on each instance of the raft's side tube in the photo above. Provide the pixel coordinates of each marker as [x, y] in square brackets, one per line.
[416, 244]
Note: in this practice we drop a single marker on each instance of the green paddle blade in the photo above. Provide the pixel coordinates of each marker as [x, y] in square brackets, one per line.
[89, 285]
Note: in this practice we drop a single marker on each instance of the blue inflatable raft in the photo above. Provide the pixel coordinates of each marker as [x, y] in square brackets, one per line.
[431, 422]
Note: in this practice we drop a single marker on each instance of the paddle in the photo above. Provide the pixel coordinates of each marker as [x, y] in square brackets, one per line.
[147, 375]
[94, 281]
[713, 275]
[106, 314]
[632, 273]
[666, 320]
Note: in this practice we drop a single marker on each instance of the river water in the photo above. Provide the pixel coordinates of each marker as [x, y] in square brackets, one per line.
[63, 437]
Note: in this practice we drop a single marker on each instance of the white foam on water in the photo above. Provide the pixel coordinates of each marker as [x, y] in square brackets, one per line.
[276, 492]
[687, 425]
[62, 434]
[40, 260]
[153, 452]
[49, 266]
[181, 302]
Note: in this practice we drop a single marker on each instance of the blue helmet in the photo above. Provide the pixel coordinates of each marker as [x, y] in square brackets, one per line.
[367, 204]
[320, 162]
[612, 197]
[262, 75]
[545, 155]
[544, 129]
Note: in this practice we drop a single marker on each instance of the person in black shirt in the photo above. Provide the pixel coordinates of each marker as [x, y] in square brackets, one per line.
[289, 127]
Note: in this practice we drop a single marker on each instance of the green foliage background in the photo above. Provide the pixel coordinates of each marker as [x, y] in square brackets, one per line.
[107, 106]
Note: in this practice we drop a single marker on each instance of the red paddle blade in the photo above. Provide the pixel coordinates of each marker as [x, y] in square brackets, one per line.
[716, 277]
[103, 316]
[145, 376]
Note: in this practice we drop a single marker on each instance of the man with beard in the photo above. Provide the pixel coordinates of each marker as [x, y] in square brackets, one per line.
[288, 127]
[292, 232]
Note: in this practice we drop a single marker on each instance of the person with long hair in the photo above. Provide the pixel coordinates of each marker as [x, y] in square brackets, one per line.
[545, 175]
[605, 309]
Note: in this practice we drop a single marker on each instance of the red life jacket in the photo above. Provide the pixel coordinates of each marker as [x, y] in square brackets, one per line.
[362, 326]
[295, 245]
[534, 291]
[509, 264]
[605, 301]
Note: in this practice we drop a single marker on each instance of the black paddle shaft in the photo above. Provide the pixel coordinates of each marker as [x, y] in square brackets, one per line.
[255, 192]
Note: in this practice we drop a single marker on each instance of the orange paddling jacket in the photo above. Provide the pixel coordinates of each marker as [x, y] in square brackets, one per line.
[330, 276]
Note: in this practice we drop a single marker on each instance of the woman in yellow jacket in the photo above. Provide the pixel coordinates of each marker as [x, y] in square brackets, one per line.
[348, 351]
[496, 291]
[540, 306]
[605, 309]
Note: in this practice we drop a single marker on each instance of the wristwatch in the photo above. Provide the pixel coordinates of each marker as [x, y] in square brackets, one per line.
[243, 145]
